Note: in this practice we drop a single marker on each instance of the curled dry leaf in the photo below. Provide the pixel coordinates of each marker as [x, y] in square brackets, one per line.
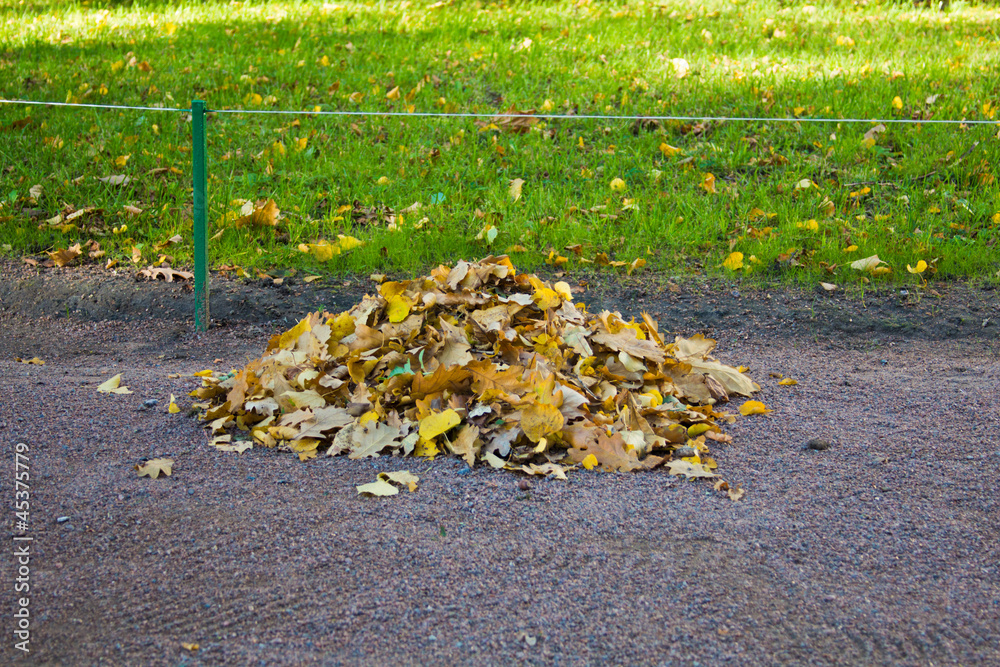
[478, 361]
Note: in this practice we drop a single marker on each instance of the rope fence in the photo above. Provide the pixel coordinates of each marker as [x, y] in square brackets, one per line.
[199, 170]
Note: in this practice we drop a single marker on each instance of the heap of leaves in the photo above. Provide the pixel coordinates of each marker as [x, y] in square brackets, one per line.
[483, 363]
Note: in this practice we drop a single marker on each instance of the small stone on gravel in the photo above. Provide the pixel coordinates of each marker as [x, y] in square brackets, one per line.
[524, 485]
[819, 444]
[686, 450]
[62, 519]
[150, 402]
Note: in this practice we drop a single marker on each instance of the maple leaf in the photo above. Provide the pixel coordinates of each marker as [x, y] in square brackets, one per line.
[154, 467]
[540, 420]
[627, 341]
[610, 451]
[371, 439]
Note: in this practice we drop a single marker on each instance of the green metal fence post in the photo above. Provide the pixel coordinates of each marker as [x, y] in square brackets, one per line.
[200, 182]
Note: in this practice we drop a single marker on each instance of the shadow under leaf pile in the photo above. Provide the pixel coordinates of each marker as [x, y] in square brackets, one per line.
[486, 364]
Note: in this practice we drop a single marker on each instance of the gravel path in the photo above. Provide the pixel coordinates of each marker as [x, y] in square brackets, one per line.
[882, 549]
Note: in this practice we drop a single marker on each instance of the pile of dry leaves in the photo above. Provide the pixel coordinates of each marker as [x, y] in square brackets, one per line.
[486, 364]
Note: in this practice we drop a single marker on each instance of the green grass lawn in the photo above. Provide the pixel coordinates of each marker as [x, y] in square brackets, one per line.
[799, 201]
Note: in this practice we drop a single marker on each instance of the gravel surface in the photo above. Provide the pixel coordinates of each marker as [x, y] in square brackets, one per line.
[881, 549]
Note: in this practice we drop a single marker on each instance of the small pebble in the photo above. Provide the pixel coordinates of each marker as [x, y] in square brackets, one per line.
[818, 444]
[524, 485]
[150, 402]
[62, 519]
[686, 450]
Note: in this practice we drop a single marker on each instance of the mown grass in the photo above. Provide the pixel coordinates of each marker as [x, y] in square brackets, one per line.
[917, 192]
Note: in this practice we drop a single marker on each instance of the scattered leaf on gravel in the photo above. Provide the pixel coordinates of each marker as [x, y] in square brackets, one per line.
[486, 364]
[173, 408]
[113, 386]
[788, 382]
[190, 647]
[155, 467]
[35, 361]
[754, 408]
[383, 485]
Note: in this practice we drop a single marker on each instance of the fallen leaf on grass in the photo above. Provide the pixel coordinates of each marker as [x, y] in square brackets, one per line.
[113, 386]
[515, 188]
[153, 468]
[265, 214]
[63, 257]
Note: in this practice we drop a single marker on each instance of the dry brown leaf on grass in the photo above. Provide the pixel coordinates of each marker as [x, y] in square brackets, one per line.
[262, 214]
[481, 362]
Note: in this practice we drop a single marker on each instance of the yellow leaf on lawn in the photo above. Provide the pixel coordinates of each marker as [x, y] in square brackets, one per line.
[708, 183]
[111, 386]
[897, 102]
[155, 467]
[541, 419]
[788, 382]
[434, 425]
[515, 188]
[919, 268]
[348, 242]
[754, 408]
[617, 185]
[173, 408]
[734, 262]
[669, 150]
[264, 216]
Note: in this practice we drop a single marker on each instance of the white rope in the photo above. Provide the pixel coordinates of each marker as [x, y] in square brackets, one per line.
[90, 106]
[434, 114]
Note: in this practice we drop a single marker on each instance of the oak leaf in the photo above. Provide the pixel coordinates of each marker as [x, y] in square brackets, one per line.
[155, 467]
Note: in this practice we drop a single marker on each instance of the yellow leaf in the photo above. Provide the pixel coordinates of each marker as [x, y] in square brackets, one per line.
[393, 94]
[734, 262]
[618, 185]
[850, 248]
[541, 419]
[754, 408]
[35, 361]
[694, 430]
[111, 386]
[301, 143]
[435, 424]
[121, 160]
[401, 477]
[589, 462]
[380, 487]
[370, 416]
[868, 264]
[669, 150]
[427, 449]
[897, 103]
[185, 645]
[173, 408]
[547, 298]
[348, 242]
[398, 309]
[919, 268]
[708, 183]
[357, 97]
[207, 373]
[155, 467]
[788, 382]
[881, 270]
[515, 188]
